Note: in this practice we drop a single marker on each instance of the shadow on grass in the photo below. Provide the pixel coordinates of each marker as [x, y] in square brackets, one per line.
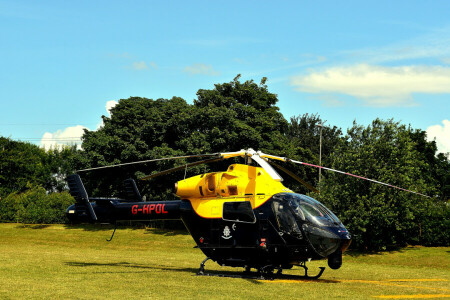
[130, 265]
[193, 271]
[110, 227]
[90, 227]
[33, 226]
[166, 232]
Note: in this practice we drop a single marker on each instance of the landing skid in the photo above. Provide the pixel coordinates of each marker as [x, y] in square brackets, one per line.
[306, 276]
[263, 273]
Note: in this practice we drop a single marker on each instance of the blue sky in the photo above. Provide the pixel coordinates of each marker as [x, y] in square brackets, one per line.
[63, 62]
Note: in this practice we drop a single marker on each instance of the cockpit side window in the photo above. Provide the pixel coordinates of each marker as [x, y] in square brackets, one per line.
[238, 212]
[286, 219]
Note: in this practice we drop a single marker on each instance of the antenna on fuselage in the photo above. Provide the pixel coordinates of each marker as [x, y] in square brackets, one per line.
[247, 159]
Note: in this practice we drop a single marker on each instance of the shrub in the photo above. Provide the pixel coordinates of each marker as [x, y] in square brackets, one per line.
[35, 206]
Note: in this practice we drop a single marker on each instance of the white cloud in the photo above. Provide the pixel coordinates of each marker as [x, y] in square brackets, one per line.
[68, 136]
[435, 44]
[306, 60]
[201, 69]
[442, 136]
[376, 85]
[71, 135]
[109, 105]
[140, 65]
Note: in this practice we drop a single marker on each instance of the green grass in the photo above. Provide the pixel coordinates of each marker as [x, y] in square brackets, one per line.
[65, 262]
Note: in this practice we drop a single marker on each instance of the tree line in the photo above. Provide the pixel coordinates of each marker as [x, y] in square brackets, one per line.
[239, 115]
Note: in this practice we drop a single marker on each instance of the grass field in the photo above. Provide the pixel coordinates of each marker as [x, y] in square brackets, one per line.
[66, 262]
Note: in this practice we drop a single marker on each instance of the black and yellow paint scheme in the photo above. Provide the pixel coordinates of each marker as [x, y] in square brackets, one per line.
[241, 217]
[208, 192]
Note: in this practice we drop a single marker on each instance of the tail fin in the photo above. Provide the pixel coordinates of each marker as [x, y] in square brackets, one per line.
[132, 190]
[77, 190]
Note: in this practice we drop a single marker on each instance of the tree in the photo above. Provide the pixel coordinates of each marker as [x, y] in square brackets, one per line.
[237, 115]
[438, 163]
[230, 117]
[23, 164]
[35, 206]
[20, 164]
[379, 216]
[138, 129]
[304, 132]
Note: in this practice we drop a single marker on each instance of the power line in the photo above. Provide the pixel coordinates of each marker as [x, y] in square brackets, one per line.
[55, 138]
[68, 139]
[43, 124]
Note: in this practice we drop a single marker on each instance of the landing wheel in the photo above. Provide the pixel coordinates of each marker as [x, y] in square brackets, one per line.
[266, 272]
[201, 270]
[280, 271]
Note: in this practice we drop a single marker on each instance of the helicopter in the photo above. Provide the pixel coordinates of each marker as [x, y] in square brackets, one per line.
[241, 217]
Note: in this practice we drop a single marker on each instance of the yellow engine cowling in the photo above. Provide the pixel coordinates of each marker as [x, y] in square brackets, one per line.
[196, 187]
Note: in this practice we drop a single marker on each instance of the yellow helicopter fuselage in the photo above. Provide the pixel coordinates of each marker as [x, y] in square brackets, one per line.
[208, 192]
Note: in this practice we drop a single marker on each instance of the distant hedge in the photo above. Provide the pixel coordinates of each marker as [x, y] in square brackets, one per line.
[35, 206]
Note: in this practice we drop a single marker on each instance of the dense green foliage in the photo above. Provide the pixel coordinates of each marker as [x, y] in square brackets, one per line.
[379, 216]
[32, 181]
[24, 164]
[35, 206]
[239, 115]
[230, 117]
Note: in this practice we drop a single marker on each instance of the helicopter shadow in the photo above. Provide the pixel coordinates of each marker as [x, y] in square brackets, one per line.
[33, 226]
[110, 227]
[165, 232]
[134, 267]
[90, 227]
[140, 268]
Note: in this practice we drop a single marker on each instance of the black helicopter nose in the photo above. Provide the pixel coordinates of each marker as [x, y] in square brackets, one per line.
[335, 258]
[345, 243]
[327, 241]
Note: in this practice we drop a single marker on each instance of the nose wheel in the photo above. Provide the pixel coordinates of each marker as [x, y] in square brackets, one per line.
[201, 271]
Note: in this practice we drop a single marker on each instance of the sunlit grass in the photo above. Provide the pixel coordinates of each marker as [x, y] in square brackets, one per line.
[48, 262]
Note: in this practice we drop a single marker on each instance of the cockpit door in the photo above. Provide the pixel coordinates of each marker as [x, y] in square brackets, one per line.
[286, 220]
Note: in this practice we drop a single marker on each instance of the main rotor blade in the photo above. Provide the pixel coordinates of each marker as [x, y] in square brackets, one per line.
[150, 160]
[294, 176]
[341, 172]
[356, 176]
[241, 153]
[226, 155]
[182, 167]
[265, 165]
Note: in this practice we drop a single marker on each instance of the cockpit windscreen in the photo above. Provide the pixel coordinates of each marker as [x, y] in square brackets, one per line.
[307, 208]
